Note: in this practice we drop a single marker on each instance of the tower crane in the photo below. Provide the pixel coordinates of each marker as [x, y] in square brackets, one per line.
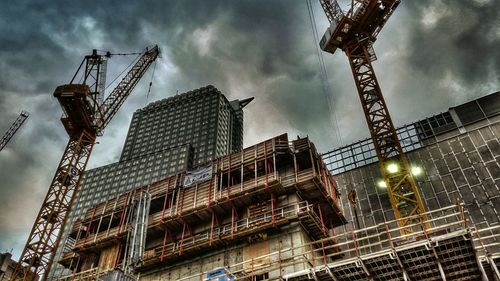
[13, 128]
[354, 33]
[85, 115]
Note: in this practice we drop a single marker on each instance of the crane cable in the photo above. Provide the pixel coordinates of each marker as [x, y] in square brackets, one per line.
[126, 69]
[108, 54]
[151, 82]
[323, 73]
[351, 196]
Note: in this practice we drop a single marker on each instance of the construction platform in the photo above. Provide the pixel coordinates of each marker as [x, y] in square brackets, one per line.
[269, 212]
[452, 249]
[241, 199]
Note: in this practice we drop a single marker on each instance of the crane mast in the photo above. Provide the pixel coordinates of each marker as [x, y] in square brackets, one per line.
[85, 115]
[354, 33]
[13, 128]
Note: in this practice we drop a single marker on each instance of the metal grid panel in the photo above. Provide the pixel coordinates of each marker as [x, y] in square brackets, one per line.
[458, 259]
[384, 268]
[363, 152]
[462, 167]
[420, 263]
[349, 272]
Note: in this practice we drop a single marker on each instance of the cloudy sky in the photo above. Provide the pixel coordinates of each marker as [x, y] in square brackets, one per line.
[432, 54]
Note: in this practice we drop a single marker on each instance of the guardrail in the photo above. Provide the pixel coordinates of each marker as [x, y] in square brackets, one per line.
[226, 231]
[351, 246]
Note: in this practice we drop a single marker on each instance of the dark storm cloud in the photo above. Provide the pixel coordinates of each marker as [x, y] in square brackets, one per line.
[432, 55]
[245, 48]
[461, 37]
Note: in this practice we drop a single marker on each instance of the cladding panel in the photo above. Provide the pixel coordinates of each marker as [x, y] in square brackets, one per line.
[461, 167]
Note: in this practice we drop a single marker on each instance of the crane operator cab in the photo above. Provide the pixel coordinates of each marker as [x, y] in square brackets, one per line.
[79, 106]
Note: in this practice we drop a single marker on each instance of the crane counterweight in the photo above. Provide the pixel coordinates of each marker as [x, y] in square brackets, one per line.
[77, 106]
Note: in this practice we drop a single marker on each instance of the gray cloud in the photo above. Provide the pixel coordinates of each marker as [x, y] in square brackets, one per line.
[432, 55]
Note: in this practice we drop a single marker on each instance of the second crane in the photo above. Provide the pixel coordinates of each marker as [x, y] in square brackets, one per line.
[354, 33]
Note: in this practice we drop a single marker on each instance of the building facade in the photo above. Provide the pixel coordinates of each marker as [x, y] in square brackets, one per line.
[269, 212]
[459, 154]
[202, 119]
[165, 137]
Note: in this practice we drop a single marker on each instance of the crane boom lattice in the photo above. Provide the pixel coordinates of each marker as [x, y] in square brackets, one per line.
[355, 34]
[83, 120]
[120, 93]
[13, 129]
[332, 10]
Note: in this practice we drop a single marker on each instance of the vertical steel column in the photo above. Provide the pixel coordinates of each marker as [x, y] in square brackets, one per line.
[323, 226]
[229, 178]
[273, 208]
[212, 229]
[182, 238]
[232, 221]
[164, 243]
[166, 199]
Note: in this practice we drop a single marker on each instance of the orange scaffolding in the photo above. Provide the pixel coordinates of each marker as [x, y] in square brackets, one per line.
[184, 221]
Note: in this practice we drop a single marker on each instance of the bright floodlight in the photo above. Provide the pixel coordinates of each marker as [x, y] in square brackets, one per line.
[416, 170]
[392, 168]
[382, 184]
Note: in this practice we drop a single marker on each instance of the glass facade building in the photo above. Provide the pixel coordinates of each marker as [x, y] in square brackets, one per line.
[165, 137]
[459, 153]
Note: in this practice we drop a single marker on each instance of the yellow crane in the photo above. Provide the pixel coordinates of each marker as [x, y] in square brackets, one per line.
[354, 33]
[85, 115]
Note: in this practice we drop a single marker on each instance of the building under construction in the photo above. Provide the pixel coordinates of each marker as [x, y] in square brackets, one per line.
[274, 212]
[7, 267]
[227, 218]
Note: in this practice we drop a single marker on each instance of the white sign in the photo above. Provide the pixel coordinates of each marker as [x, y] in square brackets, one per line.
[198, 175]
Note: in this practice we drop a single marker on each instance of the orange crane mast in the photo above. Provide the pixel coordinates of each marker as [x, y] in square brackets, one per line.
[13, 129]
[85, 115]
[354, 33]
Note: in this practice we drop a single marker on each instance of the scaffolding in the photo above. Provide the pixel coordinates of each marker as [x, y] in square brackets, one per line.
[451, 249]
[261, 188]
[250, 198]
[137, 235]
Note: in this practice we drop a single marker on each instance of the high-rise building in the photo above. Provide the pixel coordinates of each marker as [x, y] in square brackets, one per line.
[167, 136]
[202, 119]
